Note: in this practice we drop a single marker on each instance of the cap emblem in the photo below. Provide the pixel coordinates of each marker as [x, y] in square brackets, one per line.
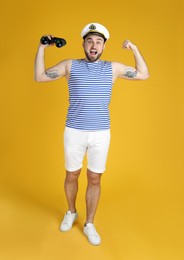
[92, 27]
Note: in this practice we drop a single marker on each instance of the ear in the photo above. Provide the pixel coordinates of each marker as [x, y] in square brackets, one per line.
[83, 44]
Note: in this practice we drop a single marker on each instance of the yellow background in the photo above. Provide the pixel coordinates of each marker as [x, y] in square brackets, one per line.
[140, 216]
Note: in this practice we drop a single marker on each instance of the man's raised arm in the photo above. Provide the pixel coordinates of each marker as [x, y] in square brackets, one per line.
[41, 74]
[139, 72]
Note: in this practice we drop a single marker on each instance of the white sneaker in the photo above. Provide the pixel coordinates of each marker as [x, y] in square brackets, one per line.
[92, 235]
[68, 221]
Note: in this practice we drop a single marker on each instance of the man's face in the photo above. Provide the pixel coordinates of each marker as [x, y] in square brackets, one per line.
[93, 47]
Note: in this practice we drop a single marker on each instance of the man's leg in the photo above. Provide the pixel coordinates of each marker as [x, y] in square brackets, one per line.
[92, 195]
[97, 155]
[98, 146]
[92, 199]
[71, 188]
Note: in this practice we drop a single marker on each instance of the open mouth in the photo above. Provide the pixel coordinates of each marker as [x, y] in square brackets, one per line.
[93, 52]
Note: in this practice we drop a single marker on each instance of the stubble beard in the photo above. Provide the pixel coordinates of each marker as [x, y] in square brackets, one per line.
[92, 59]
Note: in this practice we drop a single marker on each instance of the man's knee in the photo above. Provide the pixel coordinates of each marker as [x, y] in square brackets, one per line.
[72, 176]
[93, 178]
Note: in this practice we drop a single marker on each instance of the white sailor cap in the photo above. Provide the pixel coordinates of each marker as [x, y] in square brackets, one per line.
[95, 27]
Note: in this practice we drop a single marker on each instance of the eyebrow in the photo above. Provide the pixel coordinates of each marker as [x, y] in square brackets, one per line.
[89, 38]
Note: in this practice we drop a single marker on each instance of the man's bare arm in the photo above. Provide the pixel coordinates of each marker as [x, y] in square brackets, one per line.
[139, 72]
[41, 74]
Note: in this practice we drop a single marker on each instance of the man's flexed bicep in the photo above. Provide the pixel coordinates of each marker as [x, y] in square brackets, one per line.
[62, 69]
[127, 72]
[139, 72]
[41, 74]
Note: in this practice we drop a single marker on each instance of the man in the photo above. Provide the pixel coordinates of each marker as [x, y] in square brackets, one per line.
[87, 128]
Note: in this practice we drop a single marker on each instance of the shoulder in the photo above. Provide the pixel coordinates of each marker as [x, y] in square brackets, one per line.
[66, 62]
[117, 65]
[105, 63]
[78, 61]
[65, 65]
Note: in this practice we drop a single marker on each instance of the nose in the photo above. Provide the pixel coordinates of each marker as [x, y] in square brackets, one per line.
[93, 44]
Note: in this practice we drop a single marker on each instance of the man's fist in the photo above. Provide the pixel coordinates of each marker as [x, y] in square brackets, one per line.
[128, 45]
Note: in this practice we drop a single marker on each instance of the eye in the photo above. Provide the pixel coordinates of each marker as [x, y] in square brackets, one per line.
[89, 41]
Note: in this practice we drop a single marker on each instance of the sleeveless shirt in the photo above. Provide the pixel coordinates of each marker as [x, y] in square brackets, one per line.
[90, 87]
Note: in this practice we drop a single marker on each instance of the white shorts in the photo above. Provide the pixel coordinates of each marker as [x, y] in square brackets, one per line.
[77, 143]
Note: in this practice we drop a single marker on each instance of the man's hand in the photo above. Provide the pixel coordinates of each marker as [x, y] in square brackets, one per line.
[49, 36]
[128, 45]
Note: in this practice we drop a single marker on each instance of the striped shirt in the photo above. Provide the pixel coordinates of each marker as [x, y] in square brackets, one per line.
[90, 87]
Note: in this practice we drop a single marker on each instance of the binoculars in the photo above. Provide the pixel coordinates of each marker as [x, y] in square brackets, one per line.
[59, 42]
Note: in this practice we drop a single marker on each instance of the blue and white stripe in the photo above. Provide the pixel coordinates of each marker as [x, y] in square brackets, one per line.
[90, 87]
